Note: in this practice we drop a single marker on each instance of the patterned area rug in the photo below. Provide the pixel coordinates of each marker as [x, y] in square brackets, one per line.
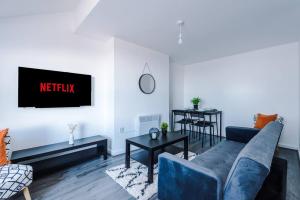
[134, 180]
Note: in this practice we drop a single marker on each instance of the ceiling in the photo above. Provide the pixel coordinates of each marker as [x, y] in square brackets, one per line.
[212, 28]
[15, 8]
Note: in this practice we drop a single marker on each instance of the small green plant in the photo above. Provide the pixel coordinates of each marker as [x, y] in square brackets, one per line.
[164, 126]
[196, 100]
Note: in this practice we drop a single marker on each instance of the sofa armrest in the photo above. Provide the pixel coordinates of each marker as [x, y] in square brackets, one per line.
[274, 186]
[180, 179]
[240, 134]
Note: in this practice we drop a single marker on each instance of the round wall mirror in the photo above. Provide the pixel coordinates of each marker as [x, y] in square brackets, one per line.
[147, 83]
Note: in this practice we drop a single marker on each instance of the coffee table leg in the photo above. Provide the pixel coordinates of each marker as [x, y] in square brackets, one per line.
[150, 166]
[186, 148]
[221, 126]
[127, 158]
[105, 150]
[210, 132]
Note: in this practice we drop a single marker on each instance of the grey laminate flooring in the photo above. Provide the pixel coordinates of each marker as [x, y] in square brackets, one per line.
[88, 181]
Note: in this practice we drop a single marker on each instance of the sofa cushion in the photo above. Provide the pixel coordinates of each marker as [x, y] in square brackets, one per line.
[3, 154]
[220, 158]
[262, 120]
[252, 165]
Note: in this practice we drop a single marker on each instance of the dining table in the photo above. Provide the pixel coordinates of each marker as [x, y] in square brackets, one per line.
[209, 114]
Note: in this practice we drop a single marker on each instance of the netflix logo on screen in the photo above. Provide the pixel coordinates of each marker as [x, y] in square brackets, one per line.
[45, 88]
[57, 87]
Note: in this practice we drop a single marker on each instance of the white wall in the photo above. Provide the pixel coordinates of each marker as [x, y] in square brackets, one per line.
[47, 41]
[265, 81]
[130, 102]
[176, 86]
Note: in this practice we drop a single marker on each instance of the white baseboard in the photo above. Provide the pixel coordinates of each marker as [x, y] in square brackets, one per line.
[117, 152]
[288, 146]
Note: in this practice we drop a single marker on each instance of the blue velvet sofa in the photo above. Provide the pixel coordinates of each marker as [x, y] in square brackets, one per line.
[234, 169]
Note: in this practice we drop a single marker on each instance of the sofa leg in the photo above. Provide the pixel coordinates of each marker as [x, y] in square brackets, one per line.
[26, 193]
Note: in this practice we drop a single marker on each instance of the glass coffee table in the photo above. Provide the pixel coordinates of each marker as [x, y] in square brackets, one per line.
[151, 146]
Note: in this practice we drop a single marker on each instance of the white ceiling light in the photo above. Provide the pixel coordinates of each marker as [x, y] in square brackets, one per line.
[180, 24]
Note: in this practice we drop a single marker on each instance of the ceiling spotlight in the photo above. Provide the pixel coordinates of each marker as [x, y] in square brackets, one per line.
[180, 24]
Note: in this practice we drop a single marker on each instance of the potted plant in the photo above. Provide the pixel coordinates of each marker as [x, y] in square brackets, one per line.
[195, 101]
[164, 128]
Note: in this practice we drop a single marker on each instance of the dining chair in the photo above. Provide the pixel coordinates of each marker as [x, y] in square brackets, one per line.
[215, 122]
[183, 121]
[199, 121]
[194, 117]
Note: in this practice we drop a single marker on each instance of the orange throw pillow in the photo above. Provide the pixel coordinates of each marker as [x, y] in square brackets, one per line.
[3, 158]
[262, 120]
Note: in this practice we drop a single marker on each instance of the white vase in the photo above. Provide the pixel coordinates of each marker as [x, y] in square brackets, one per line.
[71, 139]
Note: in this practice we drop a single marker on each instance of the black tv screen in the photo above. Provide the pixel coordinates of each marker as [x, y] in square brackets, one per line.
[44, 88]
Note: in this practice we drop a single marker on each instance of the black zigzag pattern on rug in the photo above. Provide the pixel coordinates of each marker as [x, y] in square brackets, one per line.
[13, 179]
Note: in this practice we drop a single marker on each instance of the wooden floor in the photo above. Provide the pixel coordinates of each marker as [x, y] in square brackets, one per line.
[88, 181]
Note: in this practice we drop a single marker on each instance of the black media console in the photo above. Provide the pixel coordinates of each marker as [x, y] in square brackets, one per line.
[50, 158]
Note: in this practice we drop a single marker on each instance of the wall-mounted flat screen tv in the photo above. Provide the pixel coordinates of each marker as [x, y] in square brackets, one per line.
[44, 88]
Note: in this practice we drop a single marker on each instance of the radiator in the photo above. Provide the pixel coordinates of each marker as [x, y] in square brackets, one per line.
[146, 122]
